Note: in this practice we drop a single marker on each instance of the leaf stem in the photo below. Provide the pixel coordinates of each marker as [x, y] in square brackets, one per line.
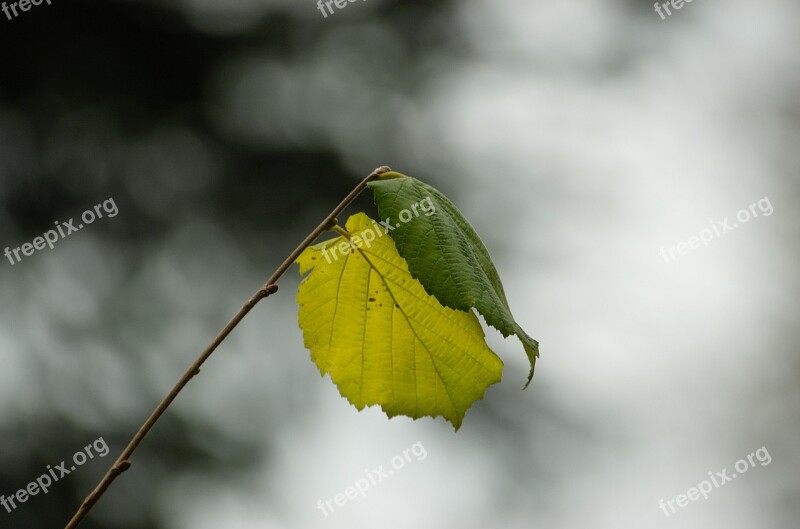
[123, 462]
[341, 231]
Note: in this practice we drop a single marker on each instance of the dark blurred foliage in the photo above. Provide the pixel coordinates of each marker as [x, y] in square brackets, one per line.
[111, 99]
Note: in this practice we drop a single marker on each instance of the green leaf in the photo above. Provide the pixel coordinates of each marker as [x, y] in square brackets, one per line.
[381, 337]
[445, 253]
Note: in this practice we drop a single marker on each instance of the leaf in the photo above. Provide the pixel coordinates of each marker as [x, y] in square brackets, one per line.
[445, 253]
[381, 337]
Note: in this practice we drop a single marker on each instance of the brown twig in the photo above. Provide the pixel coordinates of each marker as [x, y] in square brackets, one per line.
[123, 462]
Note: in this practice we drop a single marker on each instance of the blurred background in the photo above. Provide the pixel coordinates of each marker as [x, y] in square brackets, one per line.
[578, 137]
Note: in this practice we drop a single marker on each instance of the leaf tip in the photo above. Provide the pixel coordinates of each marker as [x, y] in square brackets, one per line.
[532, 350]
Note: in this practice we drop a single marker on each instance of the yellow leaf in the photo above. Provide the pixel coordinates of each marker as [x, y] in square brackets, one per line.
[381, 337]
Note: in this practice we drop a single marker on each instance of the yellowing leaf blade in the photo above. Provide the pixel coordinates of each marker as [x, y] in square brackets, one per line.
[383, 339]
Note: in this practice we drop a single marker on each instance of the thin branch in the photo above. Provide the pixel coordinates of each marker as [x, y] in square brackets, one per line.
[123, 462]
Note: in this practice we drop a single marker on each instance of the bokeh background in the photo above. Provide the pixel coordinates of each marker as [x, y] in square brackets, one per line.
[579, 137]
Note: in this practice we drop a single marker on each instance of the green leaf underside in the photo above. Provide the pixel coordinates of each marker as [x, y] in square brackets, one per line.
[383, 339]
[446, 255]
